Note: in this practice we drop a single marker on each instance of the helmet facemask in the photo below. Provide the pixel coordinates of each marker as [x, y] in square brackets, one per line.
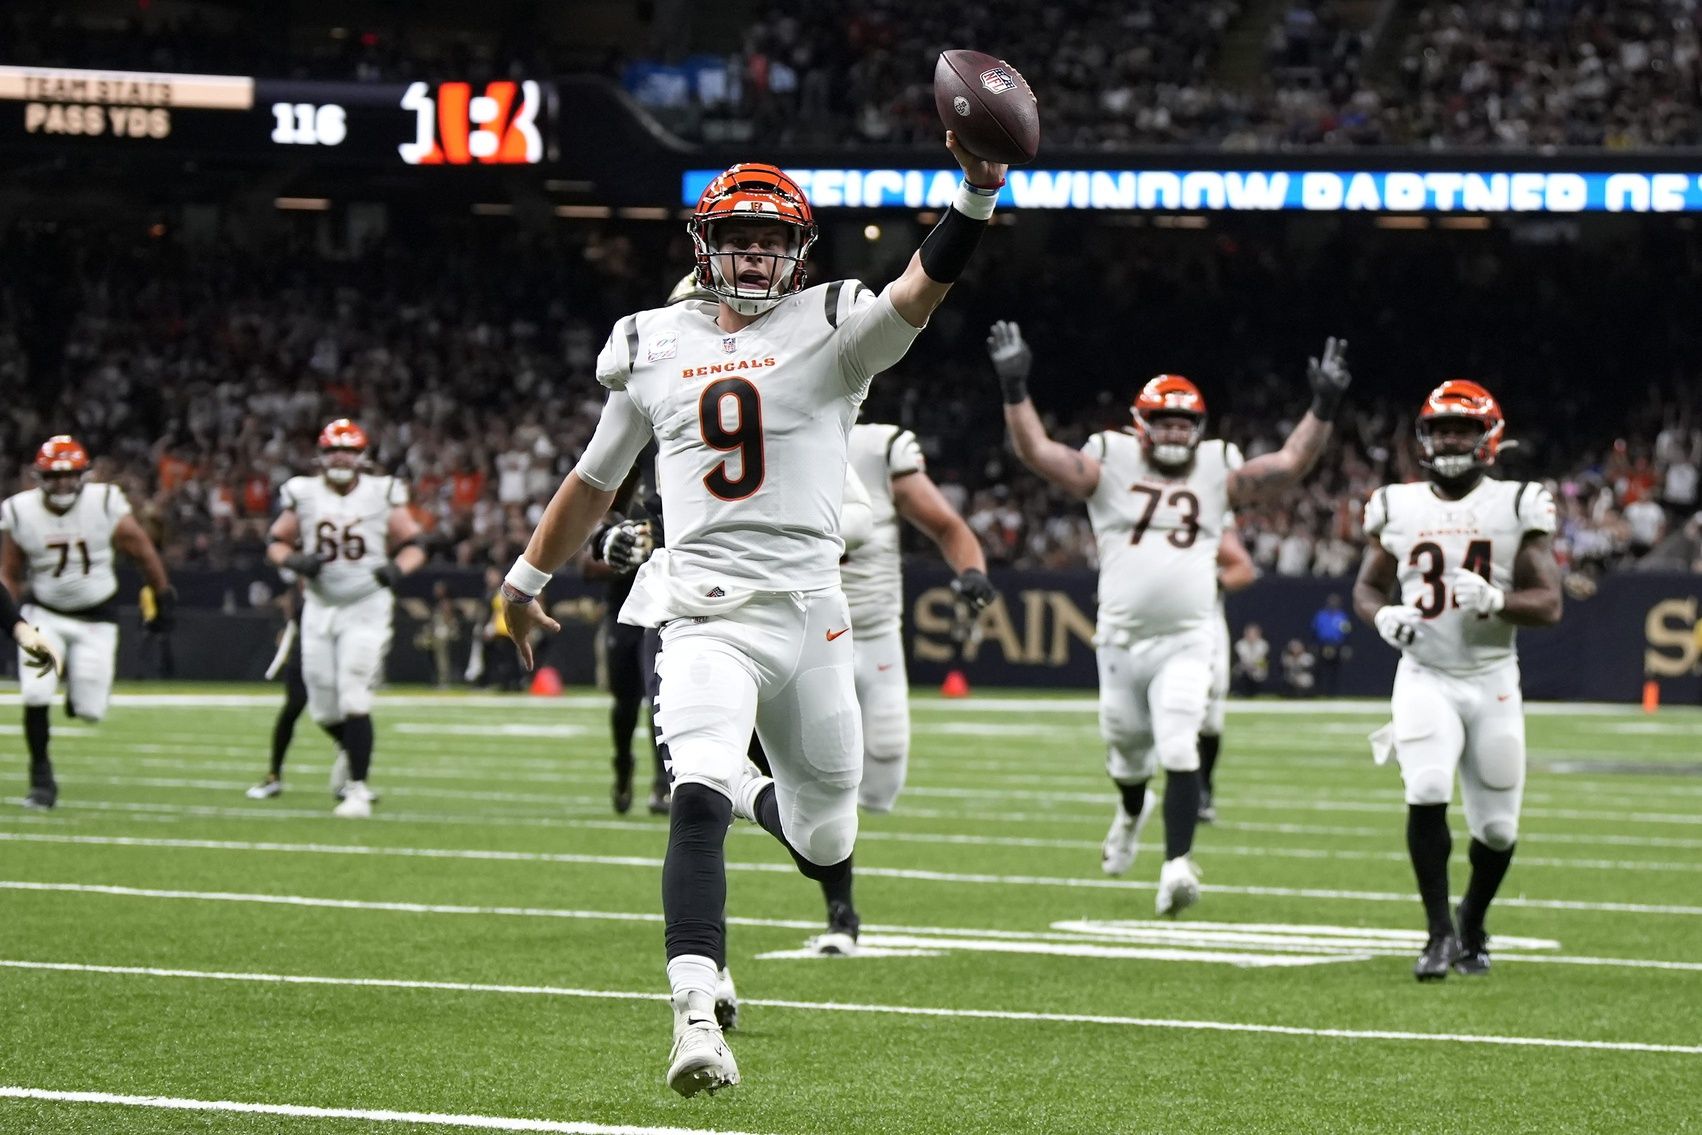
[340, 465]
[61, 487]
[1457, 463]
[732, 254]
[1161, 442]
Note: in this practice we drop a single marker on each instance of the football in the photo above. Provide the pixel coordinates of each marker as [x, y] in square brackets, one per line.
[989, 105]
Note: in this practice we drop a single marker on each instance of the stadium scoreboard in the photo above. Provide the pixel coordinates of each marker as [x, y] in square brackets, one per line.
[502, 122]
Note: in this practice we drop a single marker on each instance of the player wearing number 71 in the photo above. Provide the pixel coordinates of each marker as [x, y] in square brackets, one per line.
[338, 532]
[750, 400]
[1469, 558]
[1156, 496]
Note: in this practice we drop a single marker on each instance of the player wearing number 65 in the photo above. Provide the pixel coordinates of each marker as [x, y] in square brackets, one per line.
[1157, 494]
[1465, 558]
[349, 535]
[750, 400]
[56, 554]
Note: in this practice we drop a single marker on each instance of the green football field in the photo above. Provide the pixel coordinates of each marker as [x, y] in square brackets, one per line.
[487, 951]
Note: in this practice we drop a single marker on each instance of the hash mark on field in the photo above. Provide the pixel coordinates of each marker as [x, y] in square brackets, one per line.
[300, 1111]
[950, 877]
[896, 1010]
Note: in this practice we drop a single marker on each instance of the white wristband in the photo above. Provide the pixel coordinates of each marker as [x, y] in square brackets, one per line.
[974, 202]
[525, 578]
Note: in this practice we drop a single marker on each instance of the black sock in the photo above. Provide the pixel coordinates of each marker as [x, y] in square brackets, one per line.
[1429, 844]
[357, 742]
[623, 719]
[694, 873]
[35, 735]
[283, 731]
[1134, 798]
[336, 729]
[757, 756]
[1210, 743]
[1181, 811]
[1489, 867]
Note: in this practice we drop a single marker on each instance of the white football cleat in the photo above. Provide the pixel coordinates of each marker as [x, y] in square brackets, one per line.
[1178, 885]
[700, 1060]
[339, 773]
[747, 790]
[1117, 853]
[726, 1000]
[356, 803]
[266, 789]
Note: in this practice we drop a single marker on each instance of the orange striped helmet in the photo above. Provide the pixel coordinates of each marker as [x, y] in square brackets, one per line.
[1460, 398]
[342, 434]
[61, 453]
[1169, 394]
[752, 192]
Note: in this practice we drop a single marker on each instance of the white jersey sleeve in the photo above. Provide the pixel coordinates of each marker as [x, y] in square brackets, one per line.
[68, 555]
[1157, 532]
[872, 335]
[621, 435]
[1434, 540]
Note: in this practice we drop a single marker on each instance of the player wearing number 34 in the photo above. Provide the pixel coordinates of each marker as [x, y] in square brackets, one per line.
[1466, 558]
[349, 535]
[750, 400]
[1157, 494]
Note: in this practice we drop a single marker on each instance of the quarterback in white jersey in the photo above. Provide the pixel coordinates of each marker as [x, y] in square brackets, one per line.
[1157, 496]
[338, 531]
[57, 553]
[891, 466]
[1454, 564]
[750, 401]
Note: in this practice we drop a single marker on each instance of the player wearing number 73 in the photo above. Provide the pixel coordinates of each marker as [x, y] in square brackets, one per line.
[750, 400]
[1470, 558]
[1156, 496]
[349, 535]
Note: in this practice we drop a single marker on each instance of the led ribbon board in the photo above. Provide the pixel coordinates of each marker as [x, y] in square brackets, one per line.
[1207, 191]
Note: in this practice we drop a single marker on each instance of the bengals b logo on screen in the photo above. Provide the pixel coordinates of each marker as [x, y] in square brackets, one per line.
[453, 126]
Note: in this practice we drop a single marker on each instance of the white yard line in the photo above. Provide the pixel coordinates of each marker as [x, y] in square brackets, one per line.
[302, 1111]
[897, 1010]
[915, 875]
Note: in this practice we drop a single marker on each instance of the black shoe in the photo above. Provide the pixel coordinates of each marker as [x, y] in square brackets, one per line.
[1439, 953]
[661, 800]
[1472, 957]
[1207, 814]
[622, 796]
[841, 937]
[43, 798]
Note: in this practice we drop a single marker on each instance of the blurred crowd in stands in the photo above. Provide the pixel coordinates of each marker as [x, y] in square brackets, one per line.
[1110, 74]
[199, 377]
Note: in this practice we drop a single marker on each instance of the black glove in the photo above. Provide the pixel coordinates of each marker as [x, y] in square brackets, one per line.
[1329, 378]
[974, 589]
[1012, 360]
[165, 612]
[388, 574]
[303, 564]
[627, 545]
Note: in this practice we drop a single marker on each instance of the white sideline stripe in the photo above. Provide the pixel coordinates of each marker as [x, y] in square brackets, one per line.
[301, 1111]
[897, 1010]
[913, 875]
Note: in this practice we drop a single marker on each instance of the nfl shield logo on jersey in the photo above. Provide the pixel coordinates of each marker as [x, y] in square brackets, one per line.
[729, 344]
